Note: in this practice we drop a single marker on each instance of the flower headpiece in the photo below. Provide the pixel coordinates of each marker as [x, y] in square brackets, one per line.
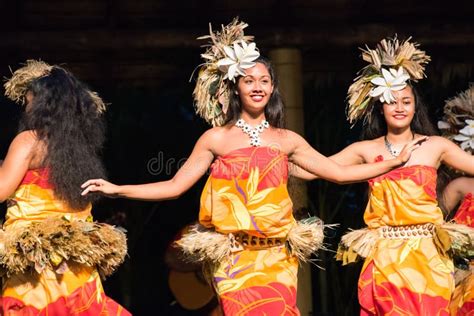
[391, 64]
[17, 86]
[457, 123]
[227, 56]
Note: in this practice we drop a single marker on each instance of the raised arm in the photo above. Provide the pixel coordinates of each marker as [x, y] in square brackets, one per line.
[194, 168]
[16, 163]
[453, 156]
[312, 161]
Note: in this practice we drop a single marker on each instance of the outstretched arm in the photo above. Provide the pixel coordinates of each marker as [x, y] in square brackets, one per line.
[194, 168]
[16, 163]
[312, 161]
[348, 156]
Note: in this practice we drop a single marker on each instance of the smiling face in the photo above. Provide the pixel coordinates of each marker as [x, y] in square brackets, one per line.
[255, 88]
[399, 114]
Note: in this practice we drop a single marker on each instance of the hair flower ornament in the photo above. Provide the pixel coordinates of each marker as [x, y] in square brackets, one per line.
[391, 64]
[393, 80]
[240, 56]
[457, 123]
[228, 53]
[466, 136]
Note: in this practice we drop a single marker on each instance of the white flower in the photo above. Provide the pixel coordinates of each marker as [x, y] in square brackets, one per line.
[466, 135]
[246, 128]
[443, 125]
[253, 133]
[242, 56]
[392, 80]
[255, 142]
[240, 123]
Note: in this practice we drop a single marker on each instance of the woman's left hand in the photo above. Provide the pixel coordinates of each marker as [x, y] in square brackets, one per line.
[101, 186]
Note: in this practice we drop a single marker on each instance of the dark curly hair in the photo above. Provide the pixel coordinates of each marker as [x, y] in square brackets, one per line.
[421, 124]
[274, 110]
[64, 117]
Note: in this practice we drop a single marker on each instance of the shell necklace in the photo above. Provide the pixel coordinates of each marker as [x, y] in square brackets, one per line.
[253, 132]
[394, 152]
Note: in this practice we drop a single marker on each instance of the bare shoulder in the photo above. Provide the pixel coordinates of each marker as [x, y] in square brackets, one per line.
[214, 137]
[26, 140]
[437, 140]
[213, 133]
[365, 148]
[288, 134]
[23, 148]
[289, 140]
[365, 145]
[438, 144]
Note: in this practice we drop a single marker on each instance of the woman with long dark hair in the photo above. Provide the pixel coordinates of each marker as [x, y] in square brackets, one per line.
[246, 213]
[53, 254]
[406, 245]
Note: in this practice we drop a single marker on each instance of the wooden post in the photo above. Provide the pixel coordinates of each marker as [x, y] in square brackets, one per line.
[287, 64]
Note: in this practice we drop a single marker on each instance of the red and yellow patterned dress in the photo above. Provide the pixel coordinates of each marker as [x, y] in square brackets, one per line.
[75, 291]
[405, 276]
[463, 298]
[247, 192]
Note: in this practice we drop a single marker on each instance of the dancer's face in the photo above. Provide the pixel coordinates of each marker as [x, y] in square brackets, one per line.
[399, 114]
[255, 88]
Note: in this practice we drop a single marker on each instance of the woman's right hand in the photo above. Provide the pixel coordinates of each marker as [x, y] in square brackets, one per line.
[100, 186]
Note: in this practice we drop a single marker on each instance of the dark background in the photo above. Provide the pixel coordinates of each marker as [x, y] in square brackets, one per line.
[139, 55]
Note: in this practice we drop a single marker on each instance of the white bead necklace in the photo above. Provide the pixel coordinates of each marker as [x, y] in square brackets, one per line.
[253, 132]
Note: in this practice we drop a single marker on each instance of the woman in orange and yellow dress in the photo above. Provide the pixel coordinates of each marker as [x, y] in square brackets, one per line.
[52, 254]
[247, 234]
[408, 269]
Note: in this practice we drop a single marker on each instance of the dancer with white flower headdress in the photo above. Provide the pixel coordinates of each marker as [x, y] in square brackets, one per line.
[407, 246]
[458, 124]
[248, 237]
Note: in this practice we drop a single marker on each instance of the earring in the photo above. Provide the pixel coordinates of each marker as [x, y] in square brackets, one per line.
[236, 92]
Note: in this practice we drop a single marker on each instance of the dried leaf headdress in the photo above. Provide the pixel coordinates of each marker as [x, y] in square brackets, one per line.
[227, 55]
[17, 86]
[391, 64]
[457, 123]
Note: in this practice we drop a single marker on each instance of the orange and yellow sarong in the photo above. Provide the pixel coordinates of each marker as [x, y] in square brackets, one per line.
[463, 297]
[246, 193]
[405, 276]
[75, 290]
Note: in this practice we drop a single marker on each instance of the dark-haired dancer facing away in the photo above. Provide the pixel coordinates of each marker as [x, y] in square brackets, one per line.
[52, 252]
[245, 204]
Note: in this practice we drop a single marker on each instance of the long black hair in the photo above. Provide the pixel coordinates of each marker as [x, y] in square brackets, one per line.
[64, 117]
[274, 110]
[421, 124]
